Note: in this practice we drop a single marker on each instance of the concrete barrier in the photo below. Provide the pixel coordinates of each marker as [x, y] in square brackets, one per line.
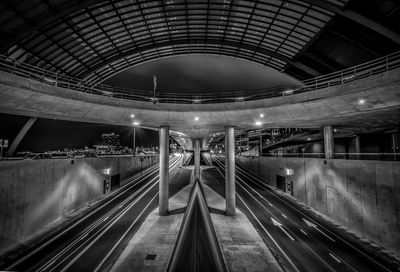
[36, 193]
[361, 195]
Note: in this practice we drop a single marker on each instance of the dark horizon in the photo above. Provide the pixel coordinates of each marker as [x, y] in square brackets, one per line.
[54, 134]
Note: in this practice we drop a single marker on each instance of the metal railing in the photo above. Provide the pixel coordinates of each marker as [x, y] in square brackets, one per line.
[364, 70]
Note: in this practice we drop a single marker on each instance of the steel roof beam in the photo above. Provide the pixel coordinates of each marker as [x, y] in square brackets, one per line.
[358, 18]
[180, 42]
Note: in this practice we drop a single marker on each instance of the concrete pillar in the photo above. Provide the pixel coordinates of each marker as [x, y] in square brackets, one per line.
[230, 171]
[21, 134]
[197, 159]
[357, 147]
[164, 170]
[329, 142]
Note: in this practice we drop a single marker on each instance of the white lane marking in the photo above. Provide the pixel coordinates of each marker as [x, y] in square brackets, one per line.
[265, 230]
[123, 236]
[127, 186]
[334, 257]
[104, 230]
[279, 224]
[312, 225]
[305, 233]
[97, 222]
[284, 215]
[82, 237]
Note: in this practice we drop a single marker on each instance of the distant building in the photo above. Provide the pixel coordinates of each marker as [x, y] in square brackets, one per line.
[110, 139]
[109, 142]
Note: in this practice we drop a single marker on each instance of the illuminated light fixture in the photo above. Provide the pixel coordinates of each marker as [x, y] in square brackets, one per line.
[155, 100]
[108, 93]
[261, 115]
[135, 123]
[50, 80]
[196, 118]
[334, 130]
[289, 171]
[308, 139]
[361, 101]
[258, 123]
[107, 171]
[239, 99]
[196, 101]
[288, 92]
[132, 116]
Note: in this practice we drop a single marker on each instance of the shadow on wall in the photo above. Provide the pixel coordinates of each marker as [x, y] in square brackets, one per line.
[37, 193]
[362, 195]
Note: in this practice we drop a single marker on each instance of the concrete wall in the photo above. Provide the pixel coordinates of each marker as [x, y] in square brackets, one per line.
[362, 195]
[35, 193]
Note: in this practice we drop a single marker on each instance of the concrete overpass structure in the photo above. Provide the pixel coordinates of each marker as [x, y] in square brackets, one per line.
[53, 67]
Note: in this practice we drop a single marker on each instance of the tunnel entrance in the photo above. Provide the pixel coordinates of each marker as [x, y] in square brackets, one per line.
[202, 161]
[281, 183]
[284, 185]
[115, 181]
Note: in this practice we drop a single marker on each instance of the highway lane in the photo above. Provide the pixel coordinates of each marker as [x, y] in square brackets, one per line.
[100, 225]
[301, 240]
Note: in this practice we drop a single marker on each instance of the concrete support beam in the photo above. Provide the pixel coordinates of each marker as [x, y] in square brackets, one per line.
[329, 142]
[197, 158]
[230, 171]
[164, 170]
[21, 134]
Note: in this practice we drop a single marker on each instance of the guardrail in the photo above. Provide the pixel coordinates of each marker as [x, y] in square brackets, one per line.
[364, 70]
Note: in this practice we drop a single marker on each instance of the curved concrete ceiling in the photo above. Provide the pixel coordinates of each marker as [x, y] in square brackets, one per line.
[336, 105]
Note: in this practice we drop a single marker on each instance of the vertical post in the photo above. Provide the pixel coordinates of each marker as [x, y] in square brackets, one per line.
[394, 144]
[329, 142]
[197, 159]
[134, 141]
[357, 147]
[164, 171]
[230, 171]
[260, 153]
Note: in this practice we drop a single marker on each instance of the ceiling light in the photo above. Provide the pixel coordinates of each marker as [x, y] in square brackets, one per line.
[135, 123]
[258, 123]
[132, 116]
[361, 101]
[196, 118]
[261, 115]
[308, 139]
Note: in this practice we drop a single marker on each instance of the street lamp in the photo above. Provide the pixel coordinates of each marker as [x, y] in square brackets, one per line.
[135, 124]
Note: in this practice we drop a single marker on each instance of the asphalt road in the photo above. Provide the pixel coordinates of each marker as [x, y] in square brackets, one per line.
[299, 239]
[93, 240]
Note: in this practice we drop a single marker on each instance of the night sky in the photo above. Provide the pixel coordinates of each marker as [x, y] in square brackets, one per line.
[50, 134]
[200, 73]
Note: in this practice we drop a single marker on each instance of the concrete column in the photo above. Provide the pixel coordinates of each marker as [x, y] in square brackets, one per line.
[164, 170]
[197, 159]
[357, 147]
[21, 134]
[230, 171]
[329, 142]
